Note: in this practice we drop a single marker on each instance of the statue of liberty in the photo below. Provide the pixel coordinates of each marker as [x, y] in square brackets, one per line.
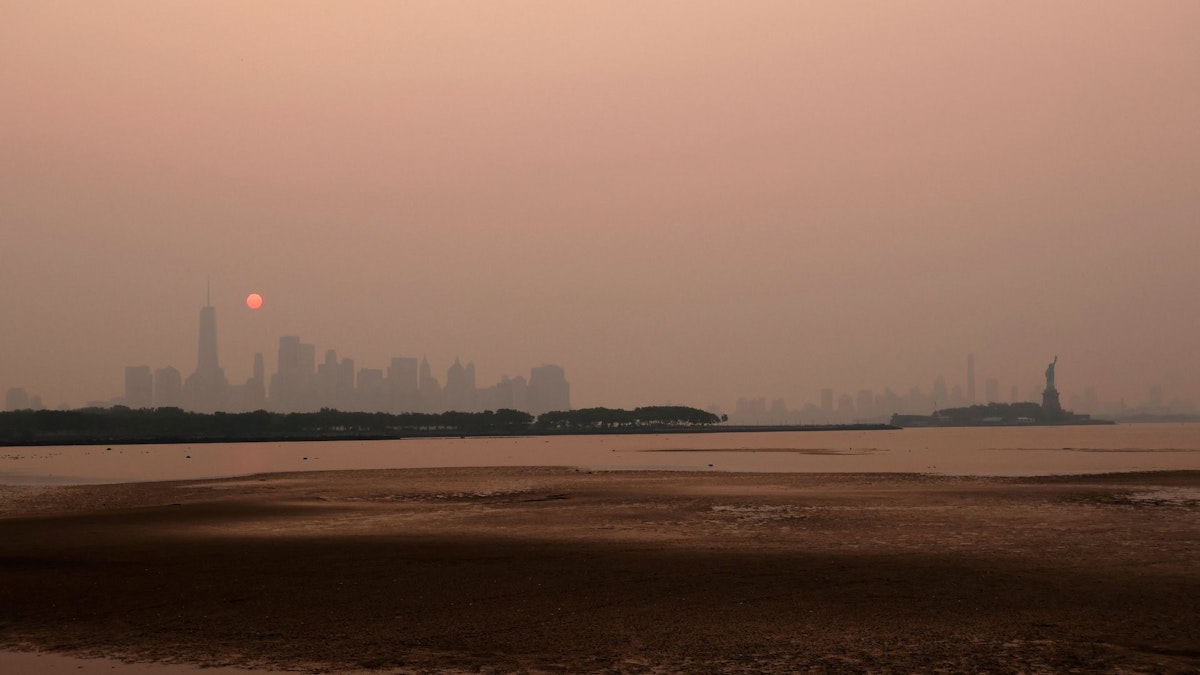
[1050, 374]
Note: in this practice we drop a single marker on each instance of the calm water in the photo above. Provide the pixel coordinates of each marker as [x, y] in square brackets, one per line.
[1010, 451]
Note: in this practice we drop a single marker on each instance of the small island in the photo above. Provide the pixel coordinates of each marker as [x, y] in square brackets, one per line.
[1049, 413]
[996, 415]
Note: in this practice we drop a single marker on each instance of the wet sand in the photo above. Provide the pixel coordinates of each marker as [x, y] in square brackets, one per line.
[50, 663]
[558, 570]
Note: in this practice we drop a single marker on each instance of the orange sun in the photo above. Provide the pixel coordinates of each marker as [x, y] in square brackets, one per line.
[254, 301]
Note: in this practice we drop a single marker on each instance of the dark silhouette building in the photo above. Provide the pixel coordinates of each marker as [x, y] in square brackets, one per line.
[459, 393]
[402, 377]
[512, 393]
[431, 391]
[16, 398]
[252, 395]
[991, 390]
[548, 390]
[139, 387]
[294, 384]
[344, 389]
[372, 390]
[205, 389]
[827, 405]
[168, 388]
[970, 379]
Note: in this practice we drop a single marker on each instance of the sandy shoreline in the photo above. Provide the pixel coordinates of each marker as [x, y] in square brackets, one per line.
[557, 570]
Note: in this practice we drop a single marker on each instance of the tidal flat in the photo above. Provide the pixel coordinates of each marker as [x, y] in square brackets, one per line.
[560, 570]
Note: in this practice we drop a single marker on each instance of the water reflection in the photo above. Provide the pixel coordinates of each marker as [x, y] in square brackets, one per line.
[963, 451]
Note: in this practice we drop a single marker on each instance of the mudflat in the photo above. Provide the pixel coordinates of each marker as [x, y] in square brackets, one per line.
[558, 570]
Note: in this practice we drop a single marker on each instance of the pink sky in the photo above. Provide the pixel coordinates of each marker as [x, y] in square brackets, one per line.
[684, 201]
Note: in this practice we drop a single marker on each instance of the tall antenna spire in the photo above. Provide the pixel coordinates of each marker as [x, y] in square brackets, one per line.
[208, 291]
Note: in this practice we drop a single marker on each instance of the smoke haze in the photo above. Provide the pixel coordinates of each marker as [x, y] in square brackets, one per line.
[686, 202]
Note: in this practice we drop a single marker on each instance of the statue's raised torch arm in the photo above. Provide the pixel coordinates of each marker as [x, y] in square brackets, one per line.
[1050, 374]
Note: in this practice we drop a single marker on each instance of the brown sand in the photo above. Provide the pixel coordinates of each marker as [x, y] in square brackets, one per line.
[555, 570]
[50, 663]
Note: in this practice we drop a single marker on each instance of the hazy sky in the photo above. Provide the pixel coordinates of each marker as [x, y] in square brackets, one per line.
[684, 201]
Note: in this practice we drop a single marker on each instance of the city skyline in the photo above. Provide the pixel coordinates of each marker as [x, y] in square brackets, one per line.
[50, 386]
[301, 382]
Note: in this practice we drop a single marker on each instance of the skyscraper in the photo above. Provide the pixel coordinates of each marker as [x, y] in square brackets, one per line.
[139, 387]
[256, 386]
[168, 388]
[204, 390]
[970, 379]
[511, 393]
[865, 404]
[941, 395]
[991, 390]
[16, 399]
[372, 391]
[284, 382]
[431, 391]
[402, 383]
[252, 395]
[206, 358]
[548, 390]
[344, 391]
[327, 376]
[458, 393]
[294, 384]
[845, 408]
[827, 404]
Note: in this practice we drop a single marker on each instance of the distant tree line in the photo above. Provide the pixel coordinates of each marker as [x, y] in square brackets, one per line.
[122, 424]
[1006, 412]
[977, 415]
[615, 418]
